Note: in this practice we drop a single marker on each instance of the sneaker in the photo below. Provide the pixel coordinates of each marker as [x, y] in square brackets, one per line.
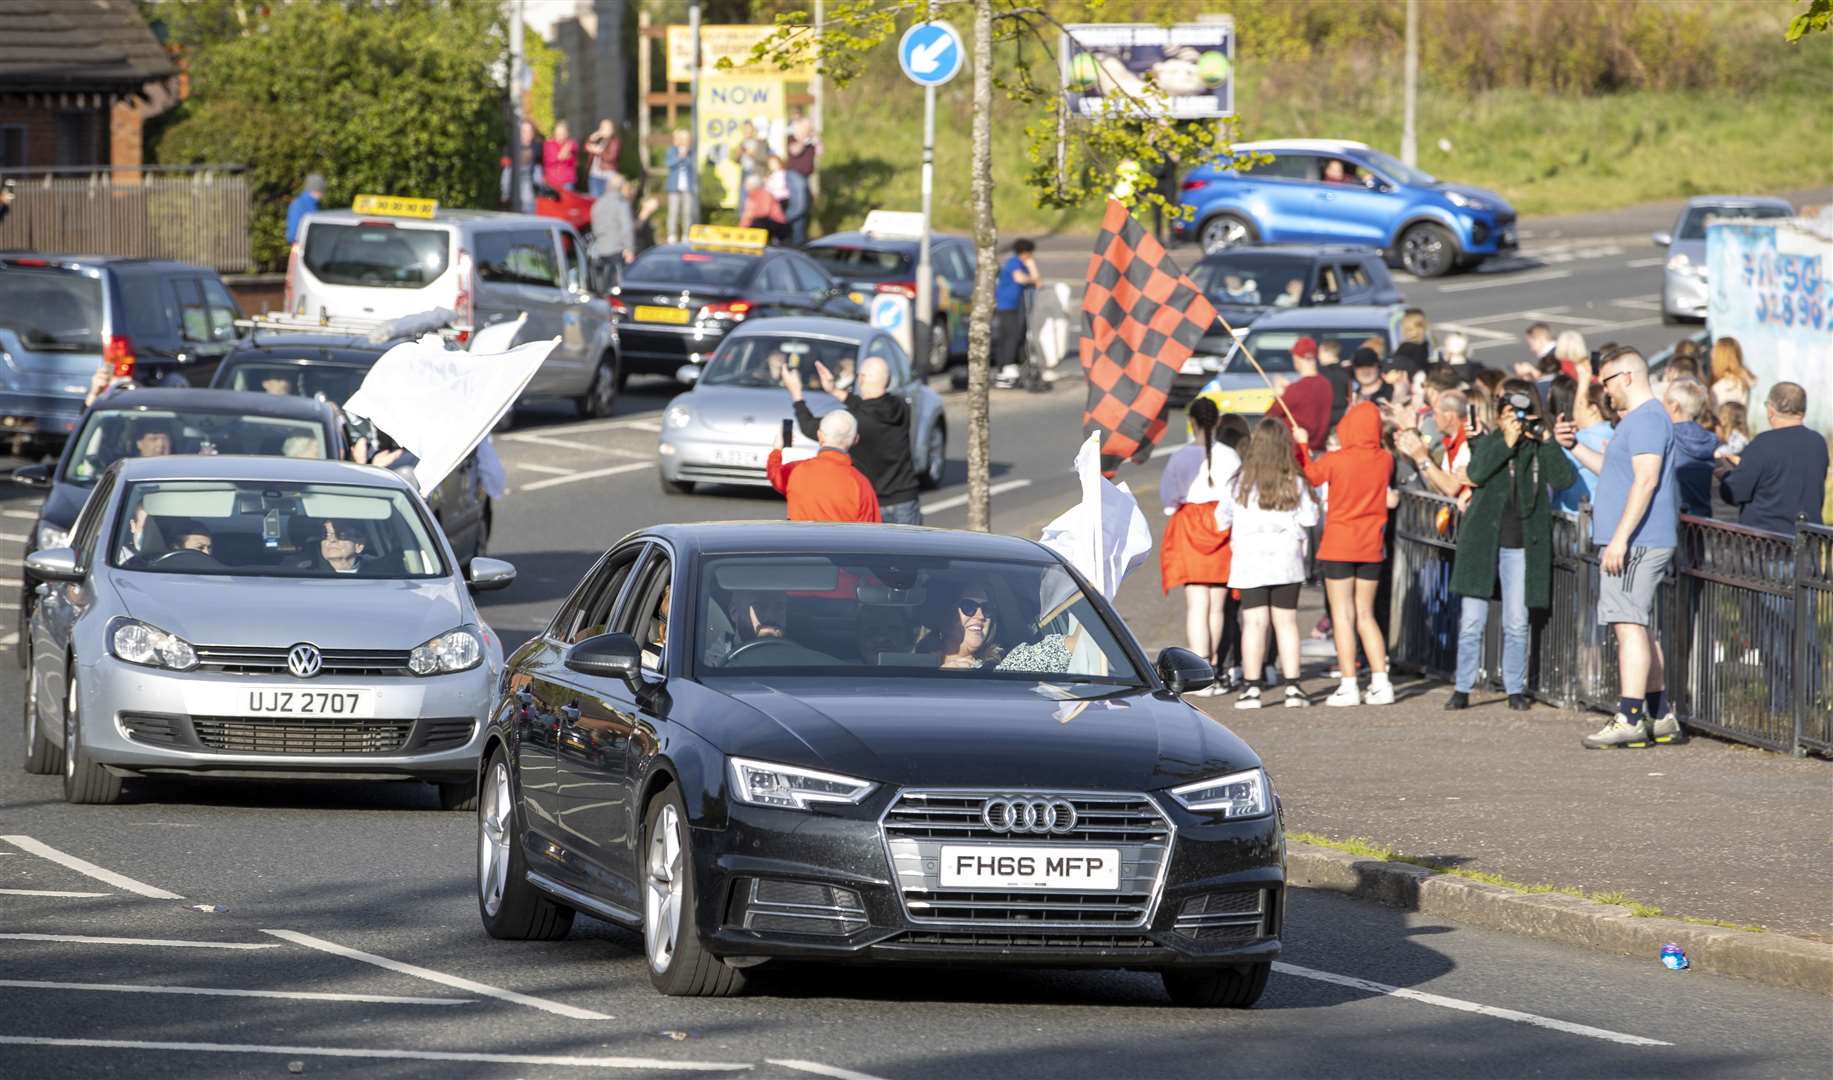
[1459, 699]
[1667, 730]
[1619, 733]
[1249, 699]
[1519, 703]
[1345, 696]
[1379, 695]
[1295, 698]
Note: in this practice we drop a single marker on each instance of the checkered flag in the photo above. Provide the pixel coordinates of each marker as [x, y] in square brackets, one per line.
[1141, 319]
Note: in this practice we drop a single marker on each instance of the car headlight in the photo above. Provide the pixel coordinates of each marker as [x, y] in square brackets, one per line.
[679, 416]
[50, 536]
[454, 650]
[1468, 202]
[143, 643]
[791, 787]
[1237, 795]
[1680, 264]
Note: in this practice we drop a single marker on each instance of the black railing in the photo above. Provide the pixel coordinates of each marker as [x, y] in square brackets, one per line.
[1745, 622]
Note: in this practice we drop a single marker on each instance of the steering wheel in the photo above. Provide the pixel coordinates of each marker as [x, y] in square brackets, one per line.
[759, 644]
[197, 558]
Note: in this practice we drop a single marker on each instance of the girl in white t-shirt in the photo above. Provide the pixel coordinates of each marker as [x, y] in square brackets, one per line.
[1267, 510]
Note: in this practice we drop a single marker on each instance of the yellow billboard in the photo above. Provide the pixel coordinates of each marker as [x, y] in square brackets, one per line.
[729, 42]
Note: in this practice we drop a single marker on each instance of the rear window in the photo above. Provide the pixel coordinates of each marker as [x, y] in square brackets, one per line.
[1694, 227]
[336, 382]
[111, 434]
[863, 264]
[1253, 278]
[376, 255]
[52, 310]
[1273, 348]
[659, 266]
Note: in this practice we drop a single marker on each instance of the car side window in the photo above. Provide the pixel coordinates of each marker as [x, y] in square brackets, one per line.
[1355, 278]
[572, 265]
[957, 266]
[222, 308]
[193, 314]
[1284, 167]
[777, 277]
[645, 614]
[518, 257]
[88, 523]
[809, 277]
[589, 613]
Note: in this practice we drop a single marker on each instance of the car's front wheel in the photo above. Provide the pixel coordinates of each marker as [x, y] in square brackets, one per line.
[1238, 986]
[938, 345]
[678, 965]
[599, 399]
[1428, 250]
[512, 909]
[1225, 231]
[43, 757]
[84, 780]
[675, 487]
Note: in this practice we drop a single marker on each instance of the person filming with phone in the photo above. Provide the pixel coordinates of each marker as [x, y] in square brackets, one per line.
[825, 487]
[883, 451]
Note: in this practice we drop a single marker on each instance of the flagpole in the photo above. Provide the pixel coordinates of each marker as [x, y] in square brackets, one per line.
[1278, 398]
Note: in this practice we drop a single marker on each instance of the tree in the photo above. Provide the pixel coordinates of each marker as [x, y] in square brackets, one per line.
[391, 98]
[1073, 160]
[1816, 19]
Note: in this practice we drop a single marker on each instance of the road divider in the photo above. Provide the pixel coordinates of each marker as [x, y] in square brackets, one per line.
[159, 943]
[89, 869]
[377, 1054]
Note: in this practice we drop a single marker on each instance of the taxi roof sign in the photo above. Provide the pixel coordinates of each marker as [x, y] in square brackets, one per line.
[730, 237]
[395, 206]
[902, 224]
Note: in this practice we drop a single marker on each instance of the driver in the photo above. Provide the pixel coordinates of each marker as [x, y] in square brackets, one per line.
[151, 436]
[756, 616]
[279, 385]
[192, 535]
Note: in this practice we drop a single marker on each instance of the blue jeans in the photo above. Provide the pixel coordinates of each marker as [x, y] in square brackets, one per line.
[1512, 569]
[598, 185]
[908, 512]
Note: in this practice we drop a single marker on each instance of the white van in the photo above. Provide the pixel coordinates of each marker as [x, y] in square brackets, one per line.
[488, 267]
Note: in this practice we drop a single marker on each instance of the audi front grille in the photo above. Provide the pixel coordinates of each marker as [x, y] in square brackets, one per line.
[919, 823]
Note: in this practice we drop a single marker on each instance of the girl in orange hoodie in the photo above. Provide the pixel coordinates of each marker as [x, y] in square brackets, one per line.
[1349, 554]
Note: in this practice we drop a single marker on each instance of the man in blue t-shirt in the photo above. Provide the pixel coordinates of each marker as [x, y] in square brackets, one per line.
[1636, 519]
[1011, 300]
[303, 203]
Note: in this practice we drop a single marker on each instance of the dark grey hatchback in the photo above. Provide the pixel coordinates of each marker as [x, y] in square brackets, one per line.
[872, 743]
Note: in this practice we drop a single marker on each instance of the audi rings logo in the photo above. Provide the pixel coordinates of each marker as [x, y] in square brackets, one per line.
[1036, 816]
[304, 660]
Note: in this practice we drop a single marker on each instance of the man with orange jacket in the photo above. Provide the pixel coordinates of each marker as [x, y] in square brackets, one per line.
[826, 487]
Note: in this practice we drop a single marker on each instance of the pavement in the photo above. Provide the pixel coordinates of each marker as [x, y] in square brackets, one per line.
[365, 891]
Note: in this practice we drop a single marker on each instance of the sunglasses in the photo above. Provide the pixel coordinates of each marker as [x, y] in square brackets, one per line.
[969, 607]
[1605, 381]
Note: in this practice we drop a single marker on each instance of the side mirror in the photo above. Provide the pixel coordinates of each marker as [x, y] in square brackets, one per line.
[53, 564]
[33, 476]
[487, 575]
[1662, 239]
[1184, 671]
[688, 374]
[609, 656]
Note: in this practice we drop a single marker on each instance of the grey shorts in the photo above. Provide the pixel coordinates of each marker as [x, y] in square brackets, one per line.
[1629, 597]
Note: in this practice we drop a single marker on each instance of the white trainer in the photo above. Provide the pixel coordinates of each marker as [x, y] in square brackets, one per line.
[1346, 696]
[1379, 695]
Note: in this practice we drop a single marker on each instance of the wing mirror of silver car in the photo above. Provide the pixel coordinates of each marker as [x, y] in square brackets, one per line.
[1184, 671]
[486, 574]
[54, 564]
[33, 476]
[1662, 239]
[688, 374]
[609, 656]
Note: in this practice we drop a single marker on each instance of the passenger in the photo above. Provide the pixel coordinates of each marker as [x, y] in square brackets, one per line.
[1291, 295]
[300, 446]
[963, 636]
[340, 550]
[278, 385]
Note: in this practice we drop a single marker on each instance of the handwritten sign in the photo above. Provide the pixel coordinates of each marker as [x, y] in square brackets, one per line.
[732, 43]
[1769, 290]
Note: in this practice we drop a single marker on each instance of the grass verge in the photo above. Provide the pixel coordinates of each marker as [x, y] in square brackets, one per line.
[1364, 848]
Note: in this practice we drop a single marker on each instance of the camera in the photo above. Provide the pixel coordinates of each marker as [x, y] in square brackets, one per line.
[1524, 412]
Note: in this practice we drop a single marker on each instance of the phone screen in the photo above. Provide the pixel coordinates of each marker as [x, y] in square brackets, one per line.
[789, 432]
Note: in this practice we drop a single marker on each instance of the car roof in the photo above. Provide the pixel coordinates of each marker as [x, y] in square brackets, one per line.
[238, 402]
[1297, 251]
[875, 242]
[1326, 145]
[97, 262]
[278, 469]
[822, 538]
[442, 216]
[1328, 317]
[811, 325]
[355, 344]
[1737, 200]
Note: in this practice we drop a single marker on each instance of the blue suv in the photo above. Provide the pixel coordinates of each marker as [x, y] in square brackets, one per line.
[1326, 191]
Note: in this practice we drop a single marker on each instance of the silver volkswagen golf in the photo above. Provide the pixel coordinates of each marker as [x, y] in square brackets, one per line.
[257, 616]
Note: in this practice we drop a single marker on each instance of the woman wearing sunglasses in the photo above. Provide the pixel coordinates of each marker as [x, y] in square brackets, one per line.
[964, 637]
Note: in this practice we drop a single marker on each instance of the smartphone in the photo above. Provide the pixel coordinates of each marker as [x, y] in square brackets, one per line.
[1470, 416]
[789, 432]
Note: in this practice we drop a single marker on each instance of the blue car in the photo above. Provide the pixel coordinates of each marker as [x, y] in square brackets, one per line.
[1327, 191]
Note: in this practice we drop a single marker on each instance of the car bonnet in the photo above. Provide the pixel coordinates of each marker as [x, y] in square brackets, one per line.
[352, 613]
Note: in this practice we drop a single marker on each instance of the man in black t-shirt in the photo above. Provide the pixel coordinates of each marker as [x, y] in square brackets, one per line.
[1782, 475]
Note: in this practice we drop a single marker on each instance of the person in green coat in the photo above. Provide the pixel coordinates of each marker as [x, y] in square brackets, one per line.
[1507, 534]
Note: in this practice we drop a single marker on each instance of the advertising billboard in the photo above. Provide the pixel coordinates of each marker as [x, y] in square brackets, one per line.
[1191, 65]
[728, 42]
[1769, 290]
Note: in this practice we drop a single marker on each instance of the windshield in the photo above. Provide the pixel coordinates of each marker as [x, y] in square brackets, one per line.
[1253, 279]
[842, 615]
[380, 255]
[1693, 226]
[262, 528]
[663, 266]
[863, 264]
[1399, 171]
[1273, 348]
[759, 360]
[335, 381]
[111, 434]
[52, 310]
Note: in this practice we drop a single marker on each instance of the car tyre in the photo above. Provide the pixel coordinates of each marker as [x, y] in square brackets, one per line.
[84, 780]
[42, 756]
[459, 796]
[675, 487]
[1236, 987]
[678, 964]
[601, 397]
[1225, 231]
[939, 341]
[1428, 250]
[935, 458]
[511, 908]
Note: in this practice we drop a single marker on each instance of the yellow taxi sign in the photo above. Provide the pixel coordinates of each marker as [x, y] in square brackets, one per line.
[395, 206]
[727, 236]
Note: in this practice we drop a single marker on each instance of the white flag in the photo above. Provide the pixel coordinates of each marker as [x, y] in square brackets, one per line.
[1106, 535]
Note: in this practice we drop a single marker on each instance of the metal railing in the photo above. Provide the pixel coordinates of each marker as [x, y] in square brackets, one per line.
[197, 215]
[1745, 621]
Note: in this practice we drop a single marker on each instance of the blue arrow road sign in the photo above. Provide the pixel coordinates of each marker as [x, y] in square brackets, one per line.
[930, 53]
[888, 312]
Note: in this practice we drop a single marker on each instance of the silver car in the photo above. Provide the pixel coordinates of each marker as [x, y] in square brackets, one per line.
[257, 616]
[1683, 280]
[722, 430]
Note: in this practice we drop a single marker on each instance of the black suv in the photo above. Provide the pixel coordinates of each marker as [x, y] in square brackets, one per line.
[1245, 283]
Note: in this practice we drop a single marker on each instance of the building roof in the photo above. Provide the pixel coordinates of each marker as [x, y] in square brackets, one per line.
[78, 46]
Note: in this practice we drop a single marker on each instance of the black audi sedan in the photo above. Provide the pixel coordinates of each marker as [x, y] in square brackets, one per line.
[872, 743]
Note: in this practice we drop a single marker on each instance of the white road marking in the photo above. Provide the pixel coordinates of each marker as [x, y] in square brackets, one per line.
[568, 444]
[656, 1064]
[551, 470]
[1476, 331]
[163, 943]
[454, 981]
[1466, 1006]
[954, 501]
[11, 583]
[9, 640]
[17, 538]
[584, 426]
[1638, 264]
[215, 991]
[1593, 331]
[28, 515]
[1509, 279]
[89, 869]
[1583, 322]
[1639, 303]
[593, 474]
[48, 892]
[821, 1070]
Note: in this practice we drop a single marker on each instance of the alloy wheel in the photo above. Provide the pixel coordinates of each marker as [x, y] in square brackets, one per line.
[494, 835]
[1423, 252]
[662, 892]
[936, 457]
[938, 346]
[604, 390]
[1224, 232]
[31, 703]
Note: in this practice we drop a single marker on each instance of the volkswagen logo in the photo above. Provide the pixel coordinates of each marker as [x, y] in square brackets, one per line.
[304, 660]
[1036, 816]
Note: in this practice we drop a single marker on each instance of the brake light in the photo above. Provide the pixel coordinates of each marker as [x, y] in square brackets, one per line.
[619, 309]
[726, 309]
[370, 224]
[901, 288]
[1193, 185]
[30, 262]
[118, 354]
[462, 305]
[292, 268]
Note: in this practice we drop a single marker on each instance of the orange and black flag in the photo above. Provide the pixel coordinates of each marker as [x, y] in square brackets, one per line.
[1141, 319]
